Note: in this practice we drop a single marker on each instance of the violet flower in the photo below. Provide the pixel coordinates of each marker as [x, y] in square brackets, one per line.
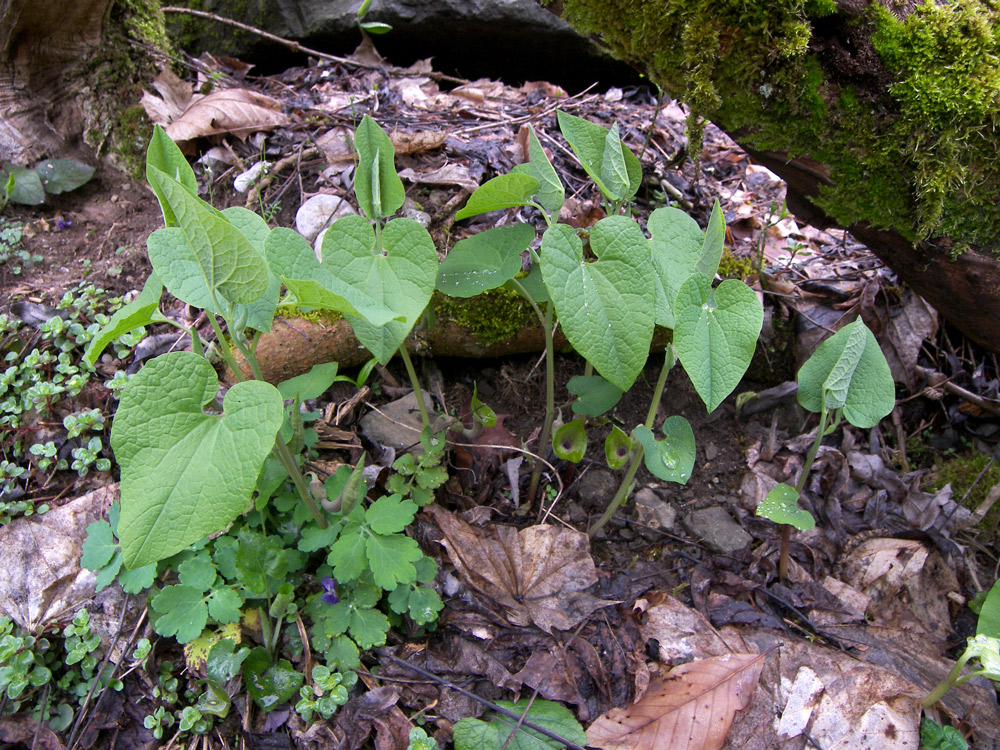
[330, 597]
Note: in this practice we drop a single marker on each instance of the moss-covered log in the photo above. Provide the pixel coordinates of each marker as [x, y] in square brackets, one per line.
[881, 117]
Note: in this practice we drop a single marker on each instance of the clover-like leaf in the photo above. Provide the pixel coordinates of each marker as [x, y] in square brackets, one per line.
[224, 605]
[317, 284]
[390, 514]
[849, 371]
[99, 546]
[347, 555]
[183, 613]
[186, 473]
[551, 193]
[397, 270]
[715, 334]
[605, 308]
[484, 261]
[378, 188]
[505, 191]
[570, 441]
[391, 559]
[781, 506]
[595, 395]
[141, 311]
[617, 446]
[672, 458]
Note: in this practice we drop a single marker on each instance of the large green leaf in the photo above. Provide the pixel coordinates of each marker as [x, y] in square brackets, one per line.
[605, 308]
[27, 188]
[164, 156]
[204, 253]
[614, 173]
[590, 143]
[672, 458]
[506, 191]
[260, 314]
[715, 334]
[378, 188]
[596, 395]
[316, 284]
[186, 473]
[550, 191]
[679, 249]
[849, 371]
[141, 311]
[989, 615]
[502, 731]
[484, 261]
[399, 274]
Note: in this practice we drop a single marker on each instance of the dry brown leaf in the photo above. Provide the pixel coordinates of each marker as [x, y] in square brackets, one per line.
[683, 633]
[337, 145]
[901, 342]
[407, 144]
[693, 707]
[538, 575]
[449, 174]
[40, 574]
[175, 97]
[237, 111]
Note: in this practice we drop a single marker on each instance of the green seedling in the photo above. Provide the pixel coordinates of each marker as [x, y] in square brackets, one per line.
[846, 377]
[370, 27]
[50, 177]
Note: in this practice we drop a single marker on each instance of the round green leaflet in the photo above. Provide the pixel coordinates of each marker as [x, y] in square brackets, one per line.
[672, 458]
[781, 506]
[187, 473]
[570, 441]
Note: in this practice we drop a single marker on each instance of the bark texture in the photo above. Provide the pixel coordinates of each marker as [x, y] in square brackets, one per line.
[881, 118]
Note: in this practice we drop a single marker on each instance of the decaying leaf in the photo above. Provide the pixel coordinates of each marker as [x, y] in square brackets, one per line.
[237, 111]
[449, 174]
[538, 575]
[40, 574]
[407, 144]
[692, 708]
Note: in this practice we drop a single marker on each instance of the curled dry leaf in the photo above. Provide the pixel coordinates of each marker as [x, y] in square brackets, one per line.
[538, 575]
[449, 174]
[237, 111]
[692, 708]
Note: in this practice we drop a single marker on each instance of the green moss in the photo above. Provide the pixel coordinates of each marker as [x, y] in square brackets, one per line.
[960, 472]
[731, 267]
[492, 317]
[196, 35]
[918, 156]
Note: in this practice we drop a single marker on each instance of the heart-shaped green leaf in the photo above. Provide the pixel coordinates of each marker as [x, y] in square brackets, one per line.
[484, 261]
[595, 395]
[185, 473]
[260, 314]
[399, 275]
[849, 371]
[141, 311]
[63, 175]
[315, 284]
[714, 245]
[589, 142]
[163, 155]
[672, 458]
[26, 189]
[204, 253]
[550, 191]
[270, 684]
[781, 506]
[378, 188]
[715, 334]
[614, 173]
[616, 448]
[506, 191]
[570, 441]
[605, 308]
[677, 245]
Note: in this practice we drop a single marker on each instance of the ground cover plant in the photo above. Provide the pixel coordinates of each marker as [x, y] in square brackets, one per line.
[282, 618]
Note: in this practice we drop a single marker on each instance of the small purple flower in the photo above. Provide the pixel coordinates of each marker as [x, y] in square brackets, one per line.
[63, 223]
[330, 597]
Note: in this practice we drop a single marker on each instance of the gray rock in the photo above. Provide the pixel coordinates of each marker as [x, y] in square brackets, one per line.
[597, 486]
[517, 39]
[319, 212]
[397, 424]
[651, 511]
[717, 530]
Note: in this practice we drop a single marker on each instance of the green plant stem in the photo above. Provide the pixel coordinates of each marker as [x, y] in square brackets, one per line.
[287, 460]
[625, 488]
[412, 374]
[550, 400]
[946, 684]
[224, 348]
[786, 529]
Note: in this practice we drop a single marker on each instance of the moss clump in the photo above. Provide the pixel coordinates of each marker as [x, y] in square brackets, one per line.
[491, 317]
[912, 147]
[960, 472]
[731, 267]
